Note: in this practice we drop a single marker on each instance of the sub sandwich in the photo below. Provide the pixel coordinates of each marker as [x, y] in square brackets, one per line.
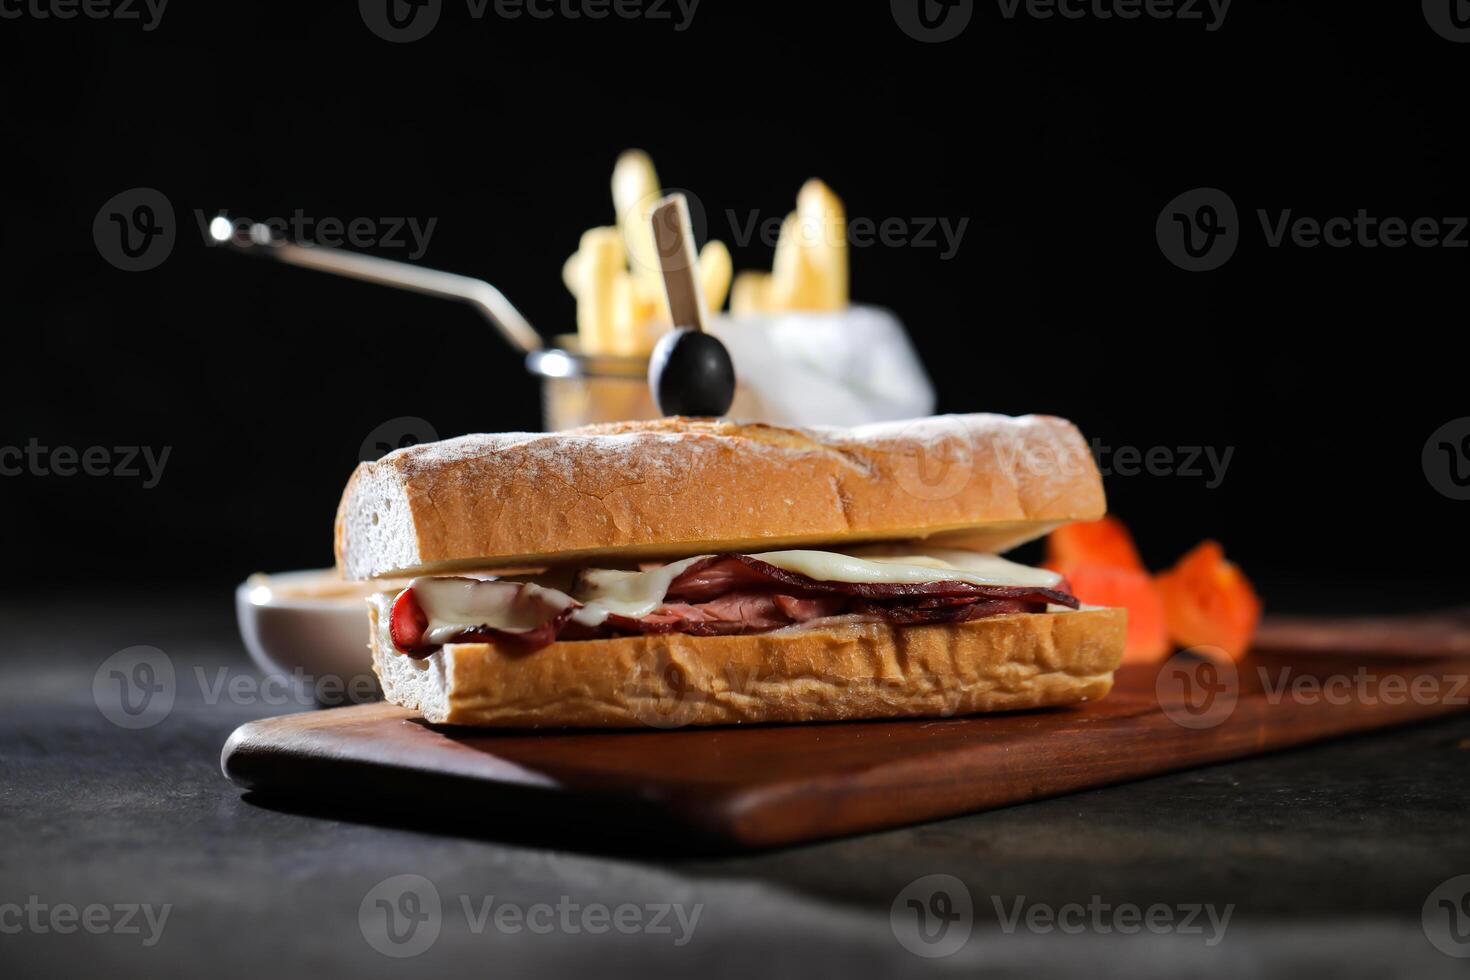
[706, 572]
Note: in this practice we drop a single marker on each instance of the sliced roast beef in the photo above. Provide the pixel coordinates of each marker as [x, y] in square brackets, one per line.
[727, 595]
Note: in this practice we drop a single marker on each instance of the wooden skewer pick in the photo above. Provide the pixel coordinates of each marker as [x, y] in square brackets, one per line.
[690, 371]
[674, 236]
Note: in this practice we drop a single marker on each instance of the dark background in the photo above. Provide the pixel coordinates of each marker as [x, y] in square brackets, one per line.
[1061, 141]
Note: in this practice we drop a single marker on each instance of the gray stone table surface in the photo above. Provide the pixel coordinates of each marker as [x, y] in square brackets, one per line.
[125, 853]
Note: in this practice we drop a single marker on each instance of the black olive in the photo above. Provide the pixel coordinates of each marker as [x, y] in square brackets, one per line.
[690, 373]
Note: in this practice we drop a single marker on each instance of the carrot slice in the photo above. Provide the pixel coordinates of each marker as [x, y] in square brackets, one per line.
[1209, 602]
[1147, 638]
[1105, 542]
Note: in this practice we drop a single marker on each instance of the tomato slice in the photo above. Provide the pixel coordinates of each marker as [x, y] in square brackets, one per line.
[408, 622]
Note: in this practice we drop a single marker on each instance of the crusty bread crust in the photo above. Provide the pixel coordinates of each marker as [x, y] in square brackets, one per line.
[835, 671]
[677, 487]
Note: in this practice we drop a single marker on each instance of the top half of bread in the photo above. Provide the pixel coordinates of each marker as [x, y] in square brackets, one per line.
[677, 487]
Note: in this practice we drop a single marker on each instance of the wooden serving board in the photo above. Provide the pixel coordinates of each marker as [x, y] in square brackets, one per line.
[764, 786]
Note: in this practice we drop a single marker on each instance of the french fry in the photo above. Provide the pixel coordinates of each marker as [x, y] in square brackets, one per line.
[597, 269]
[650, 306]
[786, 267]
[824, 244]
[626, 323]
[616, 276]
[810, 270]
[571, 273]
[749, 294]
[795, 282]
[715, 269]
[635, 190]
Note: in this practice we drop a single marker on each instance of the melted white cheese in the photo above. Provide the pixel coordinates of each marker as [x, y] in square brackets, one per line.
[454, 605]
[884, 565]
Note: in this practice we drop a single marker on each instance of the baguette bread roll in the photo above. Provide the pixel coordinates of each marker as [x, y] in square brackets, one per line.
[677, 487]
[833, 670]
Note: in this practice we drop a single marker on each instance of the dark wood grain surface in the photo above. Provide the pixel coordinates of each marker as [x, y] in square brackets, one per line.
[773, 785]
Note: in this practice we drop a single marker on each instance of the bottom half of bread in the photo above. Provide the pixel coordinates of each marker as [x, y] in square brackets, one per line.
[835, 670]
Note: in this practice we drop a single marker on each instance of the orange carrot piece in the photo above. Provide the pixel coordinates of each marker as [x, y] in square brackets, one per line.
[1147, 639]
[1209, 602]
[1105, 542]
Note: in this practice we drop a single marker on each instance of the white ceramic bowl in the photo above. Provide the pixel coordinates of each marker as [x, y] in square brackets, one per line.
[309, 629]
